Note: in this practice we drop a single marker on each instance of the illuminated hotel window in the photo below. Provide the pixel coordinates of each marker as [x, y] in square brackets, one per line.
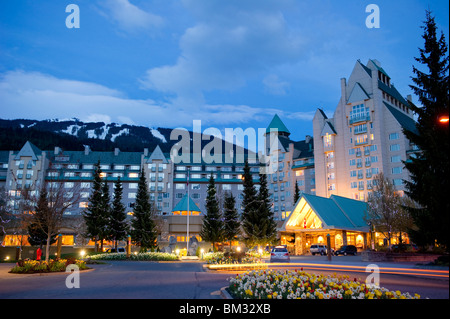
[328, 140]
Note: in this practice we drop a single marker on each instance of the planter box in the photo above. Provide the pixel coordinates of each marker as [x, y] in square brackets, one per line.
[397, 257]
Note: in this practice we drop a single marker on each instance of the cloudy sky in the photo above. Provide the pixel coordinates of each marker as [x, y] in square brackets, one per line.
[228, 63]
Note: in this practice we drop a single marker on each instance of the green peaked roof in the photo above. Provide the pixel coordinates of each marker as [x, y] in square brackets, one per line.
[278, 125]
[29, 149]
[183, 205]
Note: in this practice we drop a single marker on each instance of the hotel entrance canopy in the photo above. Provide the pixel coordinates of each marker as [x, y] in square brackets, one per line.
[314, 213]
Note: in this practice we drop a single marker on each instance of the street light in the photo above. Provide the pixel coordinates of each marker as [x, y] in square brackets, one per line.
[443, 119]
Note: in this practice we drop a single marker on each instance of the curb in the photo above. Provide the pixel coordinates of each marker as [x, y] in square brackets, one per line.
[224, 293]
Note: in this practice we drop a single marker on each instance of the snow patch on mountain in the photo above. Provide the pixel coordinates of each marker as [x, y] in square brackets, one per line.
[158, 135]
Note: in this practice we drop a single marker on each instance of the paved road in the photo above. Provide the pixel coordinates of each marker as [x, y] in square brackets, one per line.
[134, 280]
[182, 280]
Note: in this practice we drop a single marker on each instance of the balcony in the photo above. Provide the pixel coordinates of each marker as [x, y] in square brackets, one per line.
[359, 118]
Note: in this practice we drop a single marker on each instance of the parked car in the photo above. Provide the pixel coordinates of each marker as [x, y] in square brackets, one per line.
[404, 247]
[120, 250]
[279, 253]
[346, 250]
[318, 249]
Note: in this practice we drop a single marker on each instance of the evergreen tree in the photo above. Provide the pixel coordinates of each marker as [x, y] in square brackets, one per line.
[231, 218]
[92, 215]
[38, 229]
[105, 214]
[266, 214]
[143, 231]
[296, 193]
[429, 171]
[257, 219]
[118, 227]
[213, 226]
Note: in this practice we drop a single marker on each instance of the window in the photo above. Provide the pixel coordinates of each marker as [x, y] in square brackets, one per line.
[84, 194]
[327, 140]
[362, 128]
[195, 168]
[135, 167]
[359, 113]
[195, 186]
[394, 136]
[119, 167]
[86, 174]
[226, 187]
[373, 148]
[85, 185]
[131, 195]
[353, 173]
[351, 151]
[133, 175]
[104, 167]
[353, 185]
[180, 186]
[83, 204]
[88, 166]
[300, 173]
[397, 182]
[132, 185]
[180, 175]
[396, 159]
[195, 196]
[397, 170]
[68, 185]
[374, 159]
[394, 147]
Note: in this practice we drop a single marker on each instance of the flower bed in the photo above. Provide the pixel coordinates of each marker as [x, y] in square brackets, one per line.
[220, 258]
[149, 256]
[272, 284]
[56, 265]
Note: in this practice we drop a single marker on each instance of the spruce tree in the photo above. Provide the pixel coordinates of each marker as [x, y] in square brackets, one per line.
[429, 171]
[257, 219]
[231, 218]
[266, 214]
[249, 203]
[143, 231]
[92, 215]
[212, 227]
[105, 214]
[118, 227]
[296, 193]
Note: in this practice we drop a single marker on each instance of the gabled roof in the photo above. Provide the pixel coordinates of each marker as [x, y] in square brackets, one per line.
[358, 94]
[29, 150]
[328, 128]
[405, 121]
[278, 125]
[335, 212]
[182, 205]
[157, 155]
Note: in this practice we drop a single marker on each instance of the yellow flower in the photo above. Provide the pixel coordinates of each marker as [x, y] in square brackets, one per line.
[269, 296]
[398, 292]
[275, 294]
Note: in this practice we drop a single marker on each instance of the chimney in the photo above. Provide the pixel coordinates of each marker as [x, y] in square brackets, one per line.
[57, 150]
[145, 152]
[116, 151]
[87, 150]
[409, 97]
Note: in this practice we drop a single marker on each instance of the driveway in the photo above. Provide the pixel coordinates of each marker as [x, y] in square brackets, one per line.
[118, 280]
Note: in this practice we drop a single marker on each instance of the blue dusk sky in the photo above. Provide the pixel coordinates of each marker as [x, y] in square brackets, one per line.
[228, 63]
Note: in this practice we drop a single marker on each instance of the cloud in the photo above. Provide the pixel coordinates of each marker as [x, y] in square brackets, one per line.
[35, 95]
[130, 17]
[274, 85]
[230, 44]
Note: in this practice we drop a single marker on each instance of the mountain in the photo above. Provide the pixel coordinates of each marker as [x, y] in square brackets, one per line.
[74, 135]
